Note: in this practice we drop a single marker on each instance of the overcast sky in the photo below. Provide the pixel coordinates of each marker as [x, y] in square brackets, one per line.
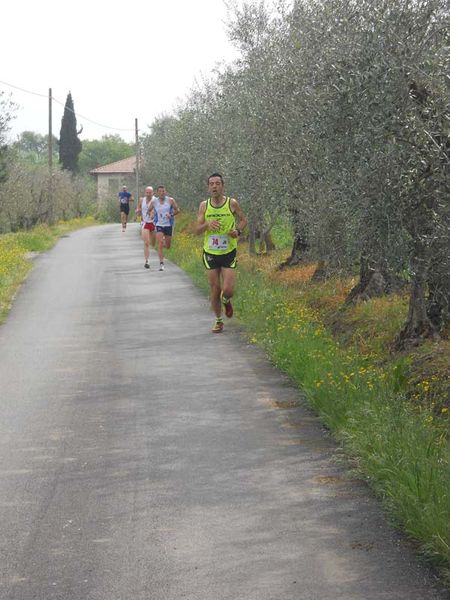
[120, 60]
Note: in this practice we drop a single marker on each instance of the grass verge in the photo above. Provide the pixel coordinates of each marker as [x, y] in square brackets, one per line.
[400, 448]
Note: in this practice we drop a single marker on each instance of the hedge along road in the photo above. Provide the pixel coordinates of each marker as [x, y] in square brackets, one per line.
[142, 457]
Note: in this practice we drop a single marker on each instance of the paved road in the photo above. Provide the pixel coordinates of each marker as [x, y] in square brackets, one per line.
[142, 457]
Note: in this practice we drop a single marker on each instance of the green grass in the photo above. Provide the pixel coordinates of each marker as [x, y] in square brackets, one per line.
[402, 452]
[282, 234]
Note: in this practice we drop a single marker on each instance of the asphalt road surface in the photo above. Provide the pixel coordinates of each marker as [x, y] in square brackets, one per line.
[144, 458]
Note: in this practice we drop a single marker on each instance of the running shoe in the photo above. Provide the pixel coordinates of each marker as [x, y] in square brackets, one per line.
[228, 307]
[161, 266]
[147, 266]
[218, 326]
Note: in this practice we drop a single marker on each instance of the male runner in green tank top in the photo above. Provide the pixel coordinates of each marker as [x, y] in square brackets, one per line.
[216, 220]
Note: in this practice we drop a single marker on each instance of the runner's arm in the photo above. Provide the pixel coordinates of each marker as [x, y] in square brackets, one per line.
[174, 205]
[202, 224]
[240, 226]
[151, 210]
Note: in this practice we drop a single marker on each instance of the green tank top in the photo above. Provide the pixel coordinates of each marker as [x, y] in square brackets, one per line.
[219, 242]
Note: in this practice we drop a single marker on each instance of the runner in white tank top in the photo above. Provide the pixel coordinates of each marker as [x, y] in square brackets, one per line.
[148, 233]
[165, 210]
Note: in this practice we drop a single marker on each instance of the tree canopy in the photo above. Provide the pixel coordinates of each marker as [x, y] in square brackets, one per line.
[7, 108]
[33, 147]
[108, 149]
[336, 116]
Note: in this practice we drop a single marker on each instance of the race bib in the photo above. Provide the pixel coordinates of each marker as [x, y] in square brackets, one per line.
[218, 242]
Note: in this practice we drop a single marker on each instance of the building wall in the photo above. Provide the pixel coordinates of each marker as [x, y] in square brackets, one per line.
[110, 184]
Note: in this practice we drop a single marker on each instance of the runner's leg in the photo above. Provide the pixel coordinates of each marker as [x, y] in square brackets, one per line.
[214, 285]
[229, 280]
[146, 240]
[160, 242]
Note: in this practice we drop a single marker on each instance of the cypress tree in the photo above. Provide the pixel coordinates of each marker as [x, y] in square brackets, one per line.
[69, 143]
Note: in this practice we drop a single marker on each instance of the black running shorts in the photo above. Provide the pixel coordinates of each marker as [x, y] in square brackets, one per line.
[217, 261]
[165, 230]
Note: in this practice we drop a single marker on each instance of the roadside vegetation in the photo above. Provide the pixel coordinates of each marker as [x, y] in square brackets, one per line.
[335, 117]
[389, 411]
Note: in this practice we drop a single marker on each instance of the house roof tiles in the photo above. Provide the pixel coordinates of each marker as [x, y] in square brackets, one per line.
[125, 166]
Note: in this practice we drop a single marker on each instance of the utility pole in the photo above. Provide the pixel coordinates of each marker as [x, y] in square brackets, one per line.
[137, 159]
[50, 148]
[50, 136]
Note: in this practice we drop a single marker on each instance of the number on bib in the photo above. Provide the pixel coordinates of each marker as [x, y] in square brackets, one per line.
[218, 242]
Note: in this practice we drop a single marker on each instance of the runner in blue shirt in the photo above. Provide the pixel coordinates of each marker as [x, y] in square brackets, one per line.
[124, 206]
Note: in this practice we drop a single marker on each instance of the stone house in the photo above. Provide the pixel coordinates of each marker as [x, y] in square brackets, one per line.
[110, 179]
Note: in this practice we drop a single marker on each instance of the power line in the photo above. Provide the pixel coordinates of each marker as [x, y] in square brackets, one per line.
[23, 90]
[63, 104]
[90, 120]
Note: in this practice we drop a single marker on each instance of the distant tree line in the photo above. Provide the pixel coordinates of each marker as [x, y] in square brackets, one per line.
[28, 195]
[336, 116]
